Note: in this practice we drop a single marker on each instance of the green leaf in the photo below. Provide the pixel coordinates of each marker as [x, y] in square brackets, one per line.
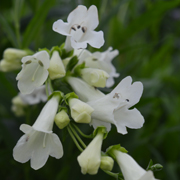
[73, 61]
[9, 31]
[77, 70]
[36, 23]
[149, 17]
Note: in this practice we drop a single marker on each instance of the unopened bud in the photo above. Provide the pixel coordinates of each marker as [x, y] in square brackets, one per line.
[7, 66]
[80, 111]
[12, 59]
[62, 119]
[94, 77]
[56, 68]
[107, 163]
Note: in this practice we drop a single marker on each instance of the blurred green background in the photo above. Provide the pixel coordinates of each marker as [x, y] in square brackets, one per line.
[146, 33]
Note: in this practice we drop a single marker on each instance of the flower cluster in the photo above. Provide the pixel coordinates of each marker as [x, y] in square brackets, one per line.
[83, 73]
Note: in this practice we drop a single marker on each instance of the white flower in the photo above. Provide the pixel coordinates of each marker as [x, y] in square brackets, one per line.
[94, 77]
[100, 61]
[80, 111]
[56, 68]
[39, 141]
[130, 169]
[90, 158]
[113, 107]
[38, 95]
[84, 91]
[79, 28]
[34, 72]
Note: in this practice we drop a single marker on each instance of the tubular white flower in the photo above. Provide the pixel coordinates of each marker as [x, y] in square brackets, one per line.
[90, 158]
[80, 111]
[130, 169]
[84, 91]
[38, 95]
[79, 28]
[113, 108]
[39, 141]
[94, 77]
[34, 72]
[56, 68]
[100, 61]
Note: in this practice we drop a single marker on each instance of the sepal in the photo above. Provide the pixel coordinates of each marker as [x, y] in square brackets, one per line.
[118, 147]
[69, 96]
[72, 63]
[101, 130]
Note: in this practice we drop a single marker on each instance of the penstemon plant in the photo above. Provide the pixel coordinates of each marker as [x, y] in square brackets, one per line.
[85, 72]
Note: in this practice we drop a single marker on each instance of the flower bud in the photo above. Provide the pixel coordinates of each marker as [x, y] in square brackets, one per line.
[90, 158]
[62, 119]
[12, 54]
[12, 59]
[56, 68]
[7, 66]
[107, 163]
[94, 77]
[80, 111]
[18, 106]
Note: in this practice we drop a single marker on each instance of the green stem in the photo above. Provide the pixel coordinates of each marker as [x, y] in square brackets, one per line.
[50, 84]
[78, 138]
[47, 91]
[81, 133]
[74, 139]
[115, 175]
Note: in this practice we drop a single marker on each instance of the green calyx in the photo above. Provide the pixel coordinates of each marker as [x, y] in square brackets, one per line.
[118, 147]
[72, 63]
[101, 130]
[58, 94]
[55, 48]
[78, 68]
[69, 96]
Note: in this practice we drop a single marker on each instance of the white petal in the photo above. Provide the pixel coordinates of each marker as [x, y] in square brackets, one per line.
[22, 151]
[127, 91]
[40, 150]
[84, 91]
[110, 82]
[26, 58]
[78, 45]
[129, 167]
[61, 27]
[25, 128]
[95, 123]
[92, 17]
[77, 15]
[104, 108]
[95, 39]
[148, 176]
[56, 149]
[128, 118]
[43, 56]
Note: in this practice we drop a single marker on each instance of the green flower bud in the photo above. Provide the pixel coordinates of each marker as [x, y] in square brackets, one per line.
[94, 77]
[62, 119]
[56, 68]
[107, 163]
[80, 111]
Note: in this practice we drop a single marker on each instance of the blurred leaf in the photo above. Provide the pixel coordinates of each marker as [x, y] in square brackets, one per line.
[8, 30]
[36, 23]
